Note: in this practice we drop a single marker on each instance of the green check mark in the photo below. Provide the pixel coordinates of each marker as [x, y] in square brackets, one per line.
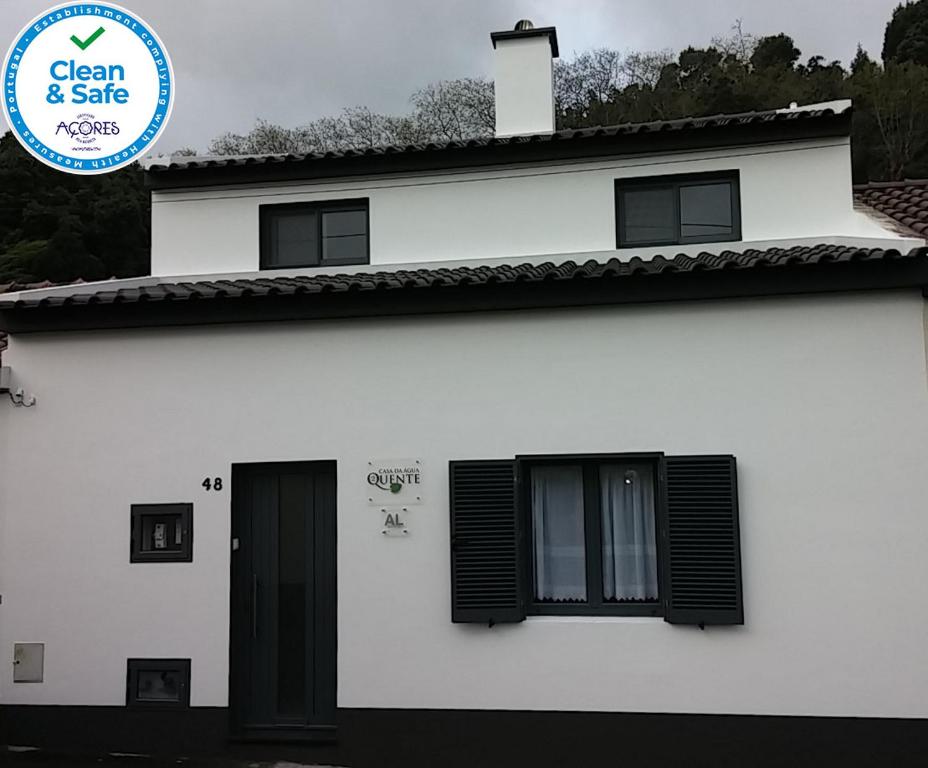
[84, 44]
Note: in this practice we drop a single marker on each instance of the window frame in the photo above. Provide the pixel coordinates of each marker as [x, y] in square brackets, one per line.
[675, 182]
[592, 528]
[266, 241]
[135, 665]
[182, 555]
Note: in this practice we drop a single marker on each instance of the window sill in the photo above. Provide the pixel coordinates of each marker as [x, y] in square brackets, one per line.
[541, 619]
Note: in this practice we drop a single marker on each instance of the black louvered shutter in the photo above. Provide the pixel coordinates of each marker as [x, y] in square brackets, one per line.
[702, 553]
[485, 564]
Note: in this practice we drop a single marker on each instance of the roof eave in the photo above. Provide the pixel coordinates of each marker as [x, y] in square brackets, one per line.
[580, 145]
[559, 287]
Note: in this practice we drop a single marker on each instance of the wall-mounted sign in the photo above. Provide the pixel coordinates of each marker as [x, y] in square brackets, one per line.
[394, 521]
[394, 482]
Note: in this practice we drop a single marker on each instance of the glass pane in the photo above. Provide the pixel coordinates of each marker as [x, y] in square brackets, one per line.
[158, 685]
[349, 249]
[338, 223]
[705, 211]
[291, 597]
[293, 241]
[159, 533]
[629, 544]
[558, 533]
[648, 215]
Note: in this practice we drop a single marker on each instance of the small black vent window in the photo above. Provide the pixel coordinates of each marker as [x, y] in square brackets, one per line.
[158, 683]
[675, 210]
[161, 533]
[332, 233]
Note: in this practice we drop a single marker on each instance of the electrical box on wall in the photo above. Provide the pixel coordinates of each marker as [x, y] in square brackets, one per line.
[28, 662]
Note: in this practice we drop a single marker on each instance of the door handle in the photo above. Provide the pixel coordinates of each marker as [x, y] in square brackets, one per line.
[254, 605]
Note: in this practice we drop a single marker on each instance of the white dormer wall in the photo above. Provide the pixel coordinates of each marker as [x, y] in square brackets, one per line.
[791, 190]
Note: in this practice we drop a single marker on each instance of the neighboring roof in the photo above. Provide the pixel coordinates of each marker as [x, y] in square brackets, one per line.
[833, 119]
[15, 287]
[905, 202]
[775, 271]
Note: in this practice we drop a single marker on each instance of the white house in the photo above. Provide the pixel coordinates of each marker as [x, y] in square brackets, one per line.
[546, 449]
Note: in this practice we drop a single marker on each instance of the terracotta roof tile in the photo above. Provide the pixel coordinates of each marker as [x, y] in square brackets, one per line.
[906, 202]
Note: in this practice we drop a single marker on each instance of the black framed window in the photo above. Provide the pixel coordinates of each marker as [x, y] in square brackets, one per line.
[623, 534]
[161, 533]
[160, 683]
[675, 210]
[330, 233]
[591, 534]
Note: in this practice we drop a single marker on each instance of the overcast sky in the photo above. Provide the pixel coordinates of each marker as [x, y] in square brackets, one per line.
[291, 61]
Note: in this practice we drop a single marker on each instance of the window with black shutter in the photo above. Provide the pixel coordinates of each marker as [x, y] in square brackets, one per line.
[619, 534]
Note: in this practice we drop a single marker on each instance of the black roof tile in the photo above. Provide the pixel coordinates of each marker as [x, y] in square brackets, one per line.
[718, 130]
[429, 280]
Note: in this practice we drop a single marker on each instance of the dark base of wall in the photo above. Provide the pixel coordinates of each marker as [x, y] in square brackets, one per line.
[378, 738]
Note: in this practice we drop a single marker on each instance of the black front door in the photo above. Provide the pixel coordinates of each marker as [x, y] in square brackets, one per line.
[282, 665]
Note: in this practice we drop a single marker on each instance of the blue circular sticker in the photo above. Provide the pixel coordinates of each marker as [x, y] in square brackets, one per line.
[87, 87]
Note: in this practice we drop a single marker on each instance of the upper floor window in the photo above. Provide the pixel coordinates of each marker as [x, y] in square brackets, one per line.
[675, 210]
[328, 233]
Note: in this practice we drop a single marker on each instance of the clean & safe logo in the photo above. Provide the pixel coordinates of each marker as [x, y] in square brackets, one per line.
[87, 87]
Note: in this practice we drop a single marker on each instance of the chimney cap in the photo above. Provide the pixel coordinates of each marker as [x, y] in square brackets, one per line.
[524, 28]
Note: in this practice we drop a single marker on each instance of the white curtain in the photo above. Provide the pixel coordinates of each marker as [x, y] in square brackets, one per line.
[557, 511]
[629, 546]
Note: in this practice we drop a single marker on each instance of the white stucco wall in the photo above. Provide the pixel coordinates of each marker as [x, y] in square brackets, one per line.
[795, 190]
[523, 86]
[824, 401]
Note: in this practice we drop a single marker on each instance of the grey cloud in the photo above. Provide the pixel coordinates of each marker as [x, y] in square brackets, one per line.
[291, 61]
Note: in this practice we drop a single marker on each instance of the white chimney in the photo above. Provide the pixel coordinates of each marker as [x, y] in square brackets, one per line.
[525, 79]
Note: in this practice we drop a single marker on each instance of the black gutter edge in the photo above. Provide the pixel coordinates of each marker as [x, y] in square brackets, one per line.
[761, 281]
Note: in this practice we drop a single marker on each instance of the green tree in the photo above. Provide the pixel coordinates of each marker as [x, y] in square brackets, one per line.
[777, 52]
[906, 36]
[60, 227]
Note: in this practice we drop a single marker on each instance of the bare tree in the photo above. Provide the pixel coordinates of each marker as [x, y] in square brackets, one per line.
[897, 100]
[737, 43]
[445, 111]
[265, 138]
[592, 76]
[644, 68]
[327, 134]
[452, 110]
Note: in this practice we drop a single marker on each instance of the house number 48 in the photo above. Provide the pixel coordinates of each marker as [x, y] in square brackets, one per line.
[212, 484]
